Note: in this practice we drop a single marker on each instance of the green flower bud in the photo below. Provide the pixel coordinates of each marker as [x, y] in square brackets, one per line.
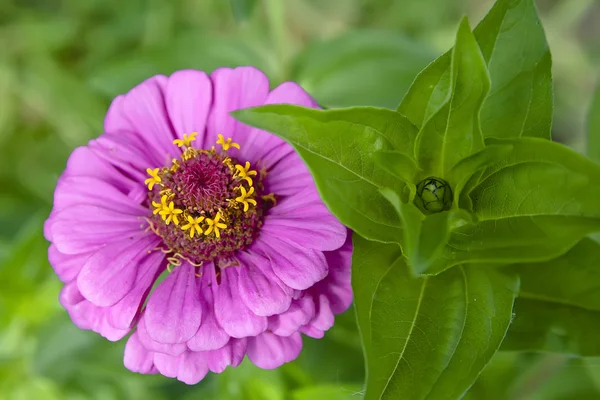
[433, 195]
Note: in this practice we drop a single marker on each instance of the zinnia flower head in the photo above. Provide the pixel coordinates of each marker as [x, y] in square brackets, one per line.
[227, 214]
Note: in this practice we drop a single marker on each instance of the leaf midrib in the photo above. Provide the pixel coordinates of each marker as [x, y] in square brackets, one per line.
[303, 147]
[412, 327]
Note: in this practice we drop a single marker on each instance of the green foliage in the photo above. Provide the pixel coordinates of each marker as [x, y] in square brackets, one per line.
[559, 309]
[427, 337]
[452, 132]
[519, 103]
[433, 304]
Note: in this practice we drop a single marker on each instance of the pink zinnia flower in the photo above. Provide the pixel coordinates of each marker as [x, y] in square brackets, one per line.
[229, 213]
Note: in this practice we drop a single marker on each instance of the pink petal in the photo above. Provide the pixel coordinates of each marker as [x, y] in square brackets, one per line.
[232, 314]
[210, 335]
[336, 286]
[299, 268]
[85, 228]
[110, 273]
[123, 314]
[84, 190]
[137, 358]
[143, 112]
[323, 234]
[289, 176]
[174, 311]
[154, 346]
[323, 319]
[304, 219]
[291, 93]
[269, 351]
[231, 354]
[301, 311]
[189, 98]
[168, 365]
[192, 367]
[85, 315]
[260, 293]
[234, 89]
[66, 266]
[311, 331]
[127, 152]
[83, 162]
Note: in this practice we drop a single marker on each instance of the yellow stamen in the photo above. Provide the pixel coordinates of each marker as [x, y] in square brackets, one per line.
[245, 198]
[245, 173]
[175, 165]
[189, 153]
[193, 225]
[227, 143]
[154, 178]
[186, 141]
[160, 207]
[170, 213]
[214, 224]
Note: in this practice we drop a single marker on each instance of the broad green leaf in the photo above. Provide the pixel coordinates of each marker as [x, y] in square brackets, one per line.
[400, 165]
[453, 132]
[519, 103]
[338, 147]
[514, 45]
[459, 176]
[370, 262]
[340, 72]
[593, 145]
[429, 337]
[533, 206]
[558, 308]
[572, 279]
[429, 91]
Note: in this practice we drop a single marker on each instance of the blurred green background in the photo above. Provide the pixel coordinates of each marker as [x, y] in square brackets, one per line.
[62, 61]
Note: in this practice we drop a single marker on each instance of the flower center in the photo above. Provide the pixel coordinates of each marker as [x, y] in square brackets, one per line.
[206, 205]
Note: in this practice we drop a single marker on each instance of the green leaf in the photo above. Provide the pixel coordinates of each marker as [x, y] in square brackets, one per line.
[533, 206]
[429, 91]
[429, 337]
[339, 72]
[338, 147]
[462, 173]
[593, 145]
[399, 164]
[453, 132]
[519, 103]
[558, 308]
[514, 45]
[370, 262]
